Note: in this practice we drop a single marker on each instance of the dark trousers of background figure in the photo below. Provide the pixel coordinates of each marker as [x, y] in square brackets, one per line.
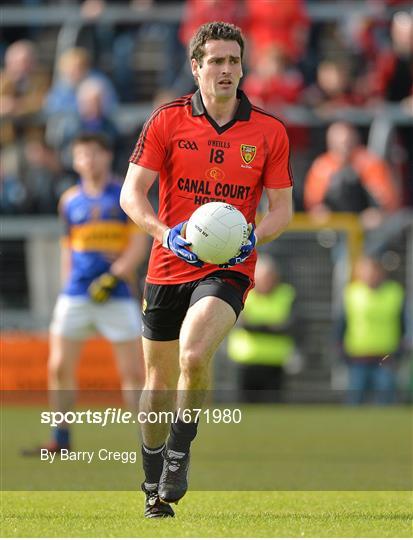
[371, 381]
[258, 383]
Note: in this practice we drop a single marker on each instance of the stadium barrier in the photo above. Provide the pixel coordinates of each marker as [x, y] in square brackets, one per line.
[24, 363]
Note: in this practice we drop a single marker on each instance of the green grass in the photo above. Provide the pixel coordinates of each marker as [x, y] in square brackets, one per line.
[282, 448]
[209, 514]
[322, 470]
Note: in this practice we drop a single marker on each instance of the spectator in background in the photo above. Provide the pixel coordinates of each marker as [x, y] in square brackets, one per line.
[119, 47]
[91, 105]
[42, 174]
[23, 86]
[283, 24]
[30, 181]
[332, 89]
[74, 67]
[349, 178]
[91, 118]
[392, 77]
[263, 344]
[13, 192]
[198, 12]
[370, 332]
[272, 80]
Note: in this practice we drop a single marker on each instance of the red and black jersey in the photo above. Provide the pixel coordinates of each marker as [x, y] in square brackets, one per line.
[199, 161]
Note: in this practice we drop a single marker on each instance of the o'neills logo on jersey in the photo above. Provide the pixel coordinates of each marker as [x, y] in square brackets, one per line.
[215, 173]
[248, 153]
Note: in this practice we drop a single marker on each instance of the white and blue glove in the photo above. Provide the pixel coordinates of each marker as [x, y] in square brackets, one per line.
[176, 243]
[245, 250]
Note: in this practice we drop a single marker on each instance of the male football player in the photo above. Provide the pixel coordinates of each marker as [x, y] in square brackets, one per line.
[213, 145]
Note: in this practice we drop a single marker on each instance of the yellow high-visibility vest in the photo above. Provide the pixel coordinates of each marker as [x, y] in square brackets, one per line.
[373, 318]
[262, 348]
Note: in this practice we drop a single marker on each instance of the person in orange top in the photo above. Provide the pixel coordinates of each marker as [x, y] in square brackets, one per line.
[348, 177]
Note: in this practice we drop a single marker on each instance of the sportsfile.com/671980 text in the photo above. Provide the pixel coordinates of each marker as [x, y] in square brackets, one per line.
[112, 415]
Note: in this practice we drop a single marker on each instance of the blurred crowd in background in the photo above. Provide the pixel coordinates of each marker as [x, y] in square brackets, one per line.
[294, 65]
[340, 76]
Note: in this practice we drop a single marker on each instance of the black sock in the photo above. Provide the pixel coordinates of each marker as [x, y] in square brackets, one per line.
[181, 435]
[152, 460]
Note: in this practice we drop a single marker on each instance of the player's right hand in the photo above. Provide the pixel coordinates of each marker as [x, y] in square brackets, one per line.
[101, 288]
[175, 242]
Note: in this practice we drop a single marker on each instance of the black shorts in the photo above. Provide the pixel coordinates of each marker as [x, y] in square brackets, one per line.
[165, 306]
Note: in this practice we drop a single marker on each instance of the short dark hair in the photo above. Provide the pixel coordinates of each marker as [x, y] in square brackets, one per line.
[214, 30]
[99, 138]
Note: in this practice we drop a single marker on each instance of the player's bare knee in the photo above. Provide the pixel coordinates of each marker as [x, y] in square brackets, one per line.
[156, 379]
[130, 374]
[56, 368]
[193, 363]
[59, 370]
[192, 356]
[131, 382]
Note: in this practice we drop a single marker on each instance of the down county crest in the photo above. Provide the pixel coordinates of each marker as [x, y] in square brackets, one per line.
[248, 153]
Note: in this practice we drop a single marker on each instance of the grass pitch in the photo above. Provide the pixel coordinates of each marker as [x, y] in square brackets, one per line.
[281, 448]
[210, 514]
[307, 461]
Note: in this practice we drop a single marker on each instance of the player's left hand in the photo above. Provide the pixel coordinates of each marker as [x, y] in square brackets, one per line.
[245, 250]
[102, 287]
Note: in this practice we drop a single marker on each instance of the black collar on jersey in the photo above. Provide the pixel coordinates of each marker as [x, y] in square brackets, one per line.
[242, 113]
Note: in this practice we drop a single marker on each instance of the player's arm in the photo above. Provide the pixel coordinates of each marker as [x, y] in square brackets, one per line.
[124, 267]
[65, 252]
[65, 260]
[278, 216]
[135, 202]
